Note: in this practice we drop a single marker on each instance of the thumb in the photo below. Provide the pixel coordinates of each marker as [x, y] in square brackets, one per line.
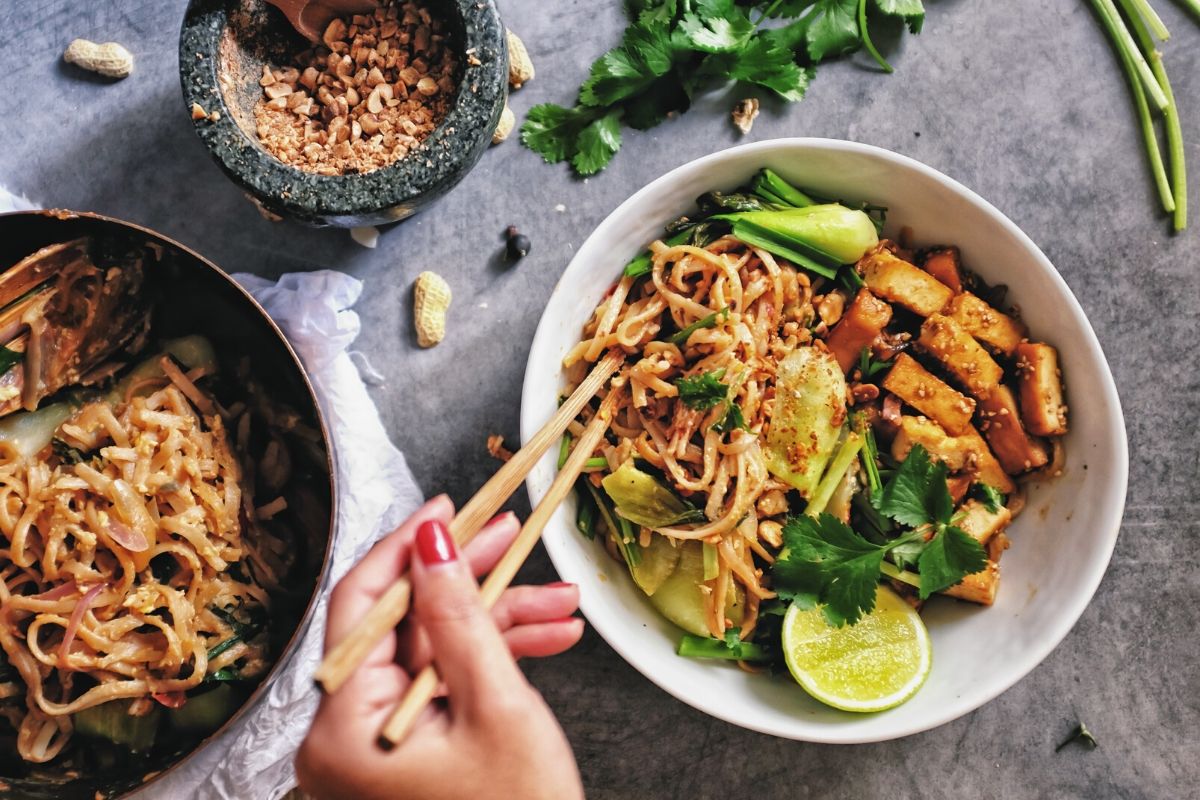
[468, 649]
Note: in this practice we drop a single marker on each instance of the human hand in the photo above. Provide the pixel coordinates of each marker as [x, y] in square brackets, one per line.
[492, 735]
[311, 17]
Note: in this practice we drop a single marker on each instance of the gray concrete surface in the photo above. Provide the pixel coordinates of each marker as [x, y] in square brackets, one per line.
[1021, 100]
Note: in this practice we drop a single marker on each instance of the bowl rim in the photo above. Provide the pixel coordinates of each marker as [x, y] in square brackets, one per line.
[440, 161]
[287, 654]
[1070, 613]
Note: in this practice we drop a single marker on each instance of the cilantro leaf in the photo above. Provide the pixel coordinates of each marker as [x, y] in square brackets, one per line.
[824, 560]
[719, 27]
[951, 555]
[551, 131]
[664, 96]
[917, 494]
[597, 143]
[911, 11]
[9, 359]
[733, 419]
[765, 61]
[833, 29]
[645, 53]
[702, 392]
[992, 497]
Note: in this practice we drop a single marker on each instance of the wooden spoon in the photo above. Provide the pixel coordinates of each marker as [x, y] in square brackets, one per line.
[311, 17]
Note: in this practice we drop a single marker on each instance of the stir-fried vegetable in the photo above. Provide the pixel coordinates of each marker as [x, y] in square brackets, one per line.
[641, 499]
[112, 721]
[810, 408]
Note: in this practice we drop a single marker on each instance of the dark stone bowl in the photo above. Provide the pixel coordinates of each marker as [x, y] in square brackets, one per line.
[220, 64]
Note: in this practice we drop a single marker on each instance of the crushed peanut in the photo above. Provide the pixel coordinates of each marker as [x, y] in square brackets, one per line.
[744, 114]
[368, 96]
[496, 448]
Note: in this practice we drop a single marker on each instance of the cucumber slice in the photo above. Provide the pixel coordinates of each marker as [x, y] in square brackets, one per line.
[112, 721]
[680, 600]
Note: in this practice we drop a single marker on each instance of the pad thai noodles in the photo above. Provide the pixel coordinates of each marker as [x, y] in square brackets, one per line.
[795, 388]
[143, 523]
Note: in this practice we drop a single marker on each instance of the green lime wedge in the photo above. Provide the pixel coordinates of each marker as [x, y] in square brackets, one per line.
[874, 665]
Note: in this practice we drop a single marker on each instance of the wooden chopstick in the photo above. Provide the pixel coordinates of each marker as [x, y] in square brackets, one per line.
[423, 688]
[341, 661]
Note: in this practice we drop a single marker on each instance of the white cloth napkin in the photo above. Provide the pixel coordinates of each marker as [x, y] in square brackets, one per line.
[253, 760]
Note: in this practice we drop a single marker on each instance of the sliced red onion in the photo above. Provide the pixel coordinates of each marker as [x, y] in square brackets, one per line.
[127, 537]
[83, 605]
[170, 699]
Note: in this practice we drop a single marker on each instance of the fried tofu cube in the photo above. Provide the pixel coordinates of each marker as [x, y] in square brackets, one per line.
[958, 486]
[945, 265]
[952, 451]
[962, 356]
[1016, 450]
[978, 588]
[986, 465]
[1039, 382]
[902, 283]
[997, 545]
[928, 394]
[986, 323]
[980, 523]
[858, 328]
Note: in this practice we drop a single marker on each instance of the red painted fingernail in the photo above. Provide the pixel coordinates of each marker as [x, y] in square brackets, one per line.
[434, 544]
[558, 585]
[499, 517]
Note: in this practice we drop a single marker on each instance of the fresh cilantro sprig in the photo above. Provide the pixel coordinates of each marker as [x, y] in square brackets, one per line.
[706, 391]
[702, 392]
[673, 50]
[825, 561]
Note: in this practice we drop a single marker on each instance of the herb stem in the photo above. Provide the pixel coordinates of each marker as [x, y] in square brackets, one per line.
[1174, 130]
[866, 39]
[903, 575]
[1149, 134]
[1117, 29]
[1143, 8]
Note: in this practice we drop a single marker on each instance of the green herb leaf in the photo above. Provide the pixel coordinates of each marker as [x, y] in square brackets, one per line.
[718, 33]
[917, 494]
[597, 143]
[9, 359]
[992, 497]
[702, 392]
[951, 555]
[551, 131]
[911, 11]
[733, 419]
[765, 61]
[833, 29]
[646, 52]
[823, 559]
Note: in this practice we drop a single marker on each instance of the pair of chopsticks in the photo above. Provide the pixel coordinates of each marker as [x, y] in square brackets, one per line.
[389, 610]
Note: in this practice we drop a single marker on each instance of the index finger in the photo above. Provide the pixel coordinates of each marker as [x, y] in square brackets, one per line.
[367, 580]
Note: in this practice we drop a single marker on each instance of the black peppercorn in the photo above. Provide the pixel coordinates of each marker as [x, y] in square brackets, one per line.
[517, 244]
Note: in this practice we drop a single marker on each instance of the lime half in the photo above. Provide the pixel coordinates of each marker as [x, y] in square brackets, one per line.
[873, 665]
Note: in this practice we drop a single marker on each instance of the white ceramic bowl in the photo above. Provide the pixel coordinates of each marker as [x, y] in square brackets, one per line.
[1061, 543]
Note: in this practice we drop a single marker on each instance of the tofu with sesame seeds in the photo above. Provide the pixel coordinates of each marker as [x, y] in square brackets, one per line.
[1039, 383]
[986, 466]
[981, 524]
[944, 264]
[962, 356]
[930, 395]
[858, 328]
[904, 284]
[1001, 424]
[952, 451]
[978, 588]
[985, 323]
